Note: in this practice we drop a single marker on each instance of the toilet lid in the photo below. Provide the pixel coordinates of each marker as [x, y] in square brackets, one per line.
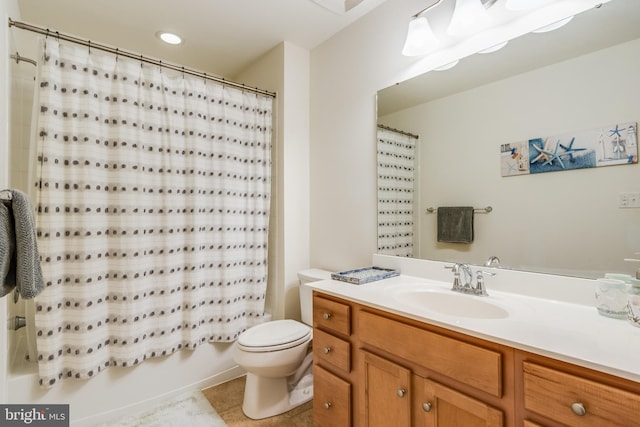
[274, 335]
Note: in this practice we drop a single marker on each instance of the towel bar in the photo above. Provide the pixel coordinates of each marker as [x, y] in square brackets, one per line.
[478, 210]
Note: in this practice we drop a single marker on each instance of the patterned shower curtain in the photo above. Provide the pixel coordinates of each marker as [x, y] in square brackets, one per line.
[396, 179]
[152, 209]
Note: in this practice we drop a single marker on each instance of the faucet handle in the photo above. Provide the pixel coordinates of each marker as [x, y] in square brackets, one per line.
[455, 268]
[480, 289]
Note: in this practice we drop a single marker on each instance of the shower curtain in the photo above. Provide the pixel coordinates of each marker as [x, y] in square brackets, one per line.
[396, 180]
[153, 196]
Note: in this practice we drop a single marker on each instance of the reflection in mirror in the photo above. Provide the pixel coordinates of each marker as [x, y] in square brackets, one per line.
[580, 77]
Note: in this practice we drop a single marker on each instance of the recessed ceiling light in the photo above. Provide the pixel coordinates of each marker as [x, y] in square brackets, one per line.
[169, 37]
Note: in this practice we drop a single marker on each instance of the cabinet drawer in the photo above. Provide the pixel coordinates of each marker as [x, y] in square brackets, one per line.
[331, 399]
[331, 315]
[476, 366]
[551, 393]
[333, 350]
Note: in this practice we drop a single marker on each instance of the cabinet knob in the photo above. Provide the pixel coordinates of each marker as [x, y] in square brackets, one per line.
[578, 409]
[326, 316]
[327, 350]
[426, 406]
[401, 392]
[327, 405]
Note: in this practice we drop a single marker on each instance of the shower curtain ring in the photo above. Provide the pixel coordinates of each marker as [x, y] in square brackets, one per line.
[141, 61]
[58, 36]
[89, 45]
[117, 53]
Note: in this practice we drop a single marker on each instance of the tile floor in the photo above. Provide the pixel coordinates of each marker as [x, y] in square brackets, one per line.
[227, 400]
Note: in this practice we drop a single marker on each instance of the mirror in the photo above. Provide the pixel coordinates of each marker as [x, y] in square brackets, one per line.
[580, 77]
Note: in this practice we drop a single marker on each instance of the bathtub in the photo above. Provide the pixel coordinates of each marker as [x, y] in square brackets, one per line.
[117, 392]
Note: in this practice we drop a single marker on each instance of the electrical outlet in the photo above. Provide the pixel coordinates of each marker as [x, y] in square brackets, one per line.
[629, 200]
[623, 200]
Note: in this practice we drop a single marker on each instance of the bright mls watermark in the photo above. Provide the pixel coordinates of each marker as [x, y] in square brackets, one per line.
[34, 415]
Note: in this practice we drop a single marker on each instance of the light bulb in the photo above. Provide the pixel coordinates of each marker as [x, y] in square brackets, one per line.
[169, 38]
[523, 4]
[469, 16]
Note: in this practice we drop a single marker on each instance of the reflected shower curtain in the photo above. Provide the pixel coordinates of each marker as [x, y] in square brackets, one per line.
[396, 178]
[152, 209]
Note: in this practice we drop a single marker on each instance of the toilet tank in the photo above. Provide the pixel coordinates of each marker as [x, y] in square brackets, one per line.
[306, 293]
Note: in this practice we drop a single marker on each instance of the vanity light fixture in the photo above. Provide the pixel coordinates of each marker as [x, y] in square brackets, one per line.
[482, 26]
[420, 37]
[523, 4]
[169, 38]
[554, 26]
[469, 17]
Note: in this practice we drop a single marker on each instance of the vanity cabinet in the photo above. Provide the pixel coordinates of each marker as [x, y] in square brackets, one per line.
[333, 380]
[443, 406]
[374, 368]
[418, 375]
[555, 393]
[386, 396]
[387, 370]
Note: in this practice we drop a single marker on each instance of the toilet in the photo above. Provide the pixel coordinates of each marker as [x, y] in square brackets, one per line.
[277, 359]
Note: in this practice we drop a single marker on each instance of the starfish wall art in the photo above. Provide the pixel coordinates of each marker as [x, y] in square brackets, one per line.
[605, 146]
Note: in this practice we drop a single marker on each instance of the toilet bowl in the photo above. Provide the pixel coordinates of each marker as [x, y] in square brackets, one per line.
[277, 359]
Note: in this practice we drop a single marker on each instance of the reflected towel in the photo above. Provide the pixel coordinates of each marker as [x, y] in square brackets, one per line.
[455, 224]
[19, 258]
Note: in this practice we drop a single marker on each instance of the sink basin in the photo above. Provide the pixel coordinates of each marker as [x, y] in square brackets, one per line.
[451, 303]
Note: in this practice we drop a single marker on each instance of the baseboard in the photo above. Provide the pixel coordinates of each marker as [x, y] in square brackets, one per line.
[150, 402]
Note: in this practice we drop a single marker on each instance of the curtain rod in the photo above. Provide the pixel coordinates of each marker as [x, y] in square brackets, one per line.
[142, 58]
[398, 131]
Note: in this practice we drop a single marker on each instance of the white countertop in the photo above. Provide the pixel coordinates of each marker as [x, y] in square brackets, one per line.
[570, 332]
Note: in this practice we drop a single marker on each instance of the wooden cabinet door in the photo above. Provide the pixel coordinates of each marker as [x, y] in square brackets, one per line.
[436, 405]
[331, 399]
[387, 394]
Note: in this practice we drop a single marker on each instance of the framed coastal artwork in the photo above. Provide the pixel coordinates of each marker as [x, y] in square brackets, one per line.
[615, 144]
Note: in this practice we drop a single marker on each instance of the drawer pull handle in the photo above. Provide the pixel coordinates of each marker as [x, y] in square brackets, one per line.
[426, 406]
[327, 350]
[326, 316]
[327, 405]
[401, 392]
[578, 409]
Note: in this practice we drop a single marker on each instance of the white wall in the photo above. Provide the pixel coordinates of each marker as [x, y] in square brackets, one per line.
[346, 73]
[8, 9]
[533, 215]
[285, 70]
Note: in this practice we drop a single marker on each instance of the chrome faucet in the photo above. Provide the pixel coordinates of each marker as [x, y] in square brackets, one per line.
[461, 282]
[463, 277]
[492, 261]
[480, 288]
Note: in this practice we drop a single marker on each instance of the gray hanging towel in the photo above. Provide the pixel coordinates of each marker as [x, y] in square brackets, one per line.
[7, 249]
[455, 224]
[19, 258]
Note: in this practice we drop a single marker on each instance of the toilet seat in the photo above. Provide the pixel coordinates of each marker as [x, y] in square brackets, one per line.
[274, 336]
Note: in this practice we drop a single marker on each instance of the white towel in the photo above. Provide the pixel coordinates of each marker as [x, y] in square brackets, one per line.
[19, 258]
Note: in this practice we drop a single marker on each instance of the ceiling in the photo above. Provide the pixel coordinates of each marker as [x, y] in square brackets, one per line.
[221, 37]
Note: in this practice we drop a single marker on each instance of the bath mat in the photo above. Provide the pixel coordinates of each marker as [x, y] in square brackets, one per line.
[191, 409]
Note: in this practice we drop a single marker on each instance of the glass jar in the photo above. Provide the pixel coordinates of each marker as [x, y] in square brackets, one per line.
[611, 298]
[633, 303]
